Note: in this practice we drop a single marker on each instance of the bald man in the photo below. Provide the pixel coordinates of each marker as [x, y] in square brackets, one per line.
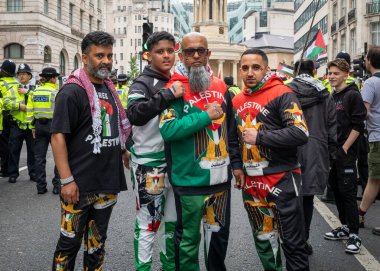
[200, 131]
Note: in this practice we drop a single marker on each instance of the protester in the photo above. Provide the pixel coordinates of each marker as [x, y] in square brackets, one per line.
[202, 147]
[350, 119]
[16, 101]
[40, 109]
[319, 111]
[89, 130]
[231, 87]
[371, 96]
[271, 126]
[154, 196]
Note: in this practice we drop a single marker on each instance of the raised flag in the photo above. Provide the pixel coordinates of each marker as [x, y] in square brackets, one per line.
[316, 46]
[284, 70]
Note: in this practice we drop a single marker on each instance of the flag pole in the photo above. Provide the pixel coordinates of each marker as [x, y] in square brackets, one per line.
[307, 38]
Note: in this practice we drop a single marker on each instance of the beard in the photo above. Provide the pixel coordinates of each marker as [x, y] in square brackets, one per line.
[199, 79]
[102, 72]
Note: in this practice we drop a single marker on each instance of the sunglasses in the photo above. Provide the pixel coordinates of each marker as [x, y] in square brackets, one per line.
[191, 51]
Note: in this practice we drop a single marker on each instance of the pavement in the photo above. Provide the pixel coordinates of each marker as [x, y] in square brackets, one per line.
[30, 224]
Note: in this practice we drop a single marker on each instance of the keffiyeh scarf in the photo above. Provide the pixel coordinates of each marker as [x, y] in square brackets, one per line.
[262, 82]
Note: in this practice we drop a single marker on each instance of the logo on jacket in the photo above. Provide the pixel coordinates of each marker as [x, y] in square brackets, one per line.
[296, 115]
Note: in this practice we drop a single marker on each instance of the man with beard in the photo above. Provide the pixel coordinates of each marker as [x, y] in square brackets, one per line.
[271, 126]
[89, 130]
[154, 196]
[319, 110]
[202, 147]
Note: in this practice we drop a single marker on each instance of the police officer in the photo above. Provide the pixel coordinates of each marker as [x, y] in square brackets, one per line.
[15, 101]
[40, 110]
[122, 89]
[232, 88]
[7, 80]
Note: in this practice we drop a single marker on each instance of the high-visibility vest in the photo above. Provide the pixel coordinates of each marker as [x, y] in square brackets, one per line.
[41, 102]
[12, 101]
[1, 114]
[234, 90]
[123, 95]
[6, 83]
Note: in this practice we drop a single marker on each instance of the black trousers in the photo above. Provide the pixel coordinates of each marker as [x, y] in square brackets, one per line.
[41, 145]
[363, 149]
[4, 143]
[308, 208]
[16, 139]
[344, 184]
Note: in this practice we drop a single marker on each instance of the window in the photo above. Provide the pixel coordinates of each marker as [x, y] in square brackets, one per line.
[14, 5]
[125, 30]
[135, 28]
[131, 42]
[375, 33]
[155, 18]
[335, 14]
[14, 51]
[46, 6]
[121, 56]
[121, 42]
[139, 42]
[263, 19]
[47, 54]
[125, 19]
[59, 10]
[155, 29]
[343, 42]
[335, 47]
[353, 4]
[353, 42]
[81, 20]
[90, 23]
[139, 17]
[343, 7]
[71, 14]
[139, 29]
[98, 27]
[62, 64]
[76, 63]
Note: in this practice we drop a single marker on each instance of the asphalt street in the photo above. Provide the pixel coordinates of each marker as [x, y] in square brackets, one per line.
[30, 223]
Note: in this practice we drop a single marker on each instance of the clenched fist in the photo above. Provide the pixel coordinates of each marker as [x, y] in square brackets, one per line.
[214, 110]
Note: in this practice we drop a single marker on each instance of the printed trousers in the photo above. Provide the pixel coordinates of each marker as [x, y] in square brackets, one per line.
[214, 210]
[155, 216]
[274, 207]
[89, 218]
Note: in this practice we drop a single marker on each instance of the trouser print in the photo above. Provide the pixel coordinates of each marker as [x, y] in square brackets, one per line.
[153, 207]
[89, 218]
[214, 211]
[274, 207]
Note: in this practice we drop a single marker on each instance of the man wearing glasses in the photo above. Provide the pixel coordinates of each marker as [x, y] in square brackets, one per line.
[271, 126]
[202, 142]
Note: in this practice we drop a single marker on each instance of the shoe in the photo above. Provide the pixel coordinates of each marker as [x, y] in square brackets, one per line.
[3, 174]
[361, 221]
[376, 230]
[340, 233]
[12, 179]
[353, 244]
[56, 190]
[308, 248]
[43, 191]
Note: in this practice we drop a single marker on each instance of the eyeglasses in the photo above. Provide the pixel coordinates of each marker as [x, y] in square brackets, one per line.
[191, 51]
[254, 67]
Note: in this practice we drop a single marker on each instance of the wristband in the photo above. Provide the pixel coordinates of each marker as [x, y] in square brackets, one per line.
[67, 180]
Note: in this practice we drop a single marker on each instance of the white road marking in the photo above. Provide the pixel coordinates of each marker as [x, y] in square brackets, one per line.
[366, 259]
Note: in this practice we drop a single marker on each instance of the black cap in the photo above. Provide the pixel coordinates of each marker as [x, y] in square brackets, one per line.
[122, 77]
[24, 68]
[344, 55]
[9, 67]
[50, 72]
[229, 80]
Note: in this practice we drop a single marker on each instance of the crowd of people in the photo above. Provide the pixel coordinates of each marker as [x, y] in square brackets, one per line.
[185, 135]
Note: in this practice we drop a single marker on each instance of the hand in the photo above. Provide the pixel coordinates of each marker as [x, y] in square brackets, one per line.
[214, 110]
[345, 149]
[250, 136]
[34, 133]
[239, 178]
[126, 157]
[179, 89]
[22, 107]
[22, 90]
[70, 193]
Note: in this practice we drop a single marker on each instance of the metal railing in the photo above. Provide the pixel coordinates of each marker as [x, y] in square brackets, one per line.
[373, 8]
[342, 21]
[351, 15]
[333, 28]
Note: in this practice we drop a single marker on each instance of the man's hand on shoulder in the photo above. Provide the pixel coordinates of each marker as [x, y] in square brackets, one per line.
[70, 193]
[178, 89]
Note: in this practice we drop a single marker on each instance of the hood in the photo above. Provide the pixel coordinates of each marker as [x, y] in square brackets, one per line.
[148, 71]
[351, 86]
[307, 94]
[272, 81]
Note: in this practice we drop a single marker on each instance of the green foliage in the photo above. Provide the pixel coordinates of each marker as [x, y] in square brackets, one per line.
[134, 68]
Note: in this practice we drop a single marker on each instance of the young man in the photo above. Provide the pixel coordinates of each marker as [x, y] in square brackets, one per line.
[40, 109]
[89, 129]
[272, 126]
[371, 96]
[351, 114]
[16, 101]
[147, 99]
[202, 147]
[319, 110]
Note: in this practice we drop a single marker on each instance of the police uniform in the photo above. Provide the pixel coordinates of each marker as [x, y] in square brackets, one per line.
[40, 109]
[122, 89]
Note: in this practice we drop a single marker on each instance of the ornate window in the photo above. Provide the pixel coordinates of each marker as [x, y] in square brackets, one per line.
[47, 54]
[14, 50]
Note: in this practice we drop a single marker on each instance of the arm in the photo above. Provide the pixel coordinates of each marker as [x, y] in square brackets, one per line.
[331, 127]
[10, 103]
[368, 107]
[350, 140]
[30, 111]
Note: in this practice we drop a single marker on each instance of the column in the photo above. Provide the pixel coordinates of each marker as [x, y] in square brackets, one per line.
[220, 69]
[196, 13]
[235, 71]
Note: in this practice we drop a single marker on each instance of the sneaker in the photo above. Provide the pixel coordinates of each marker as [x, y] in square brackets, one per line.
[376, 230]
[308, 248]
[353, 244]
[340, 233]
[361, 221]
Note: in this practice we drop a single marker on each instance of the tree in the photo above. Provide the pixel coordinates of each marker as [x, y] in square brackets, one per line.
[134, 70]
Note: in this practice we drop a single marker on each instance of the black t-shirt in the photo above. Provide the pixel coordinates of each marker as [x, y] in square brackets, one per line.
[94, 173]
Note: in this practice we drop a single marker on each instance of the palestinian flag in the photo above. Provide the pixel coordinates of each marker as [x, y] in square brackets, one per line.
[322, 57]
[316, 46]
[284, 70]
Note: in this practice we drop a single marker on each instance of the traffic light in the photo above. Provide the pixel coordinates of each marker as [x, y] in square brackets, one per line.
[359, 67]
[147, 31]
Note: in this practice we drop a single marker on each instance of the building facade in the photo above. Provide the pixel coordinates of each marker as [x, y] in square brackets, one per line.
[47, 33]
